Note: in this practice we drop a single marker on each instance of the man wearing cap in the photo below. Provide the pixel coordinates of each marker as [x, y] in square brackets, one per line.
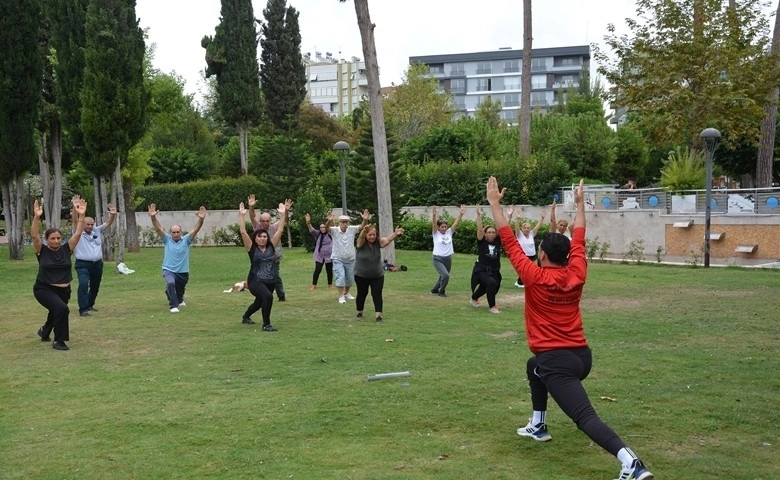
[343, 255]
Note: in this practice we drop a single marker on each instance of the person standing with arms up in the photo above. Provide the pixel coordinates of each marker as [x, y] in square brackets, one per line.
[265, 223]
[525, 237]
[52, 285]
[323, 249]
[176, 257]
[261, 280]
[343, 255]
[369, 272]
[443, 249]
[486, 274]
[559, 226]
[553, 324]
[89, 261]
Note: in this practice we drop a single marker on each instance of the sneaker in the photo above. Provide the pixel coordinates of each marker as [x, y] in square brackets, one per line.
[60, 346]
[269, 328]
[349, 296]
[43, 339]
[494, 309]
[359, 316]
[84, 314]
[475, 303]
[538, 432]
[247, 321]
[379, 319]
[518, 285]
[182, 304]
[174, 310]
[342, 299]
[434, 292]
[637, 471]
[93, 309]
[442, 294]
[313, 288]
[282, 298]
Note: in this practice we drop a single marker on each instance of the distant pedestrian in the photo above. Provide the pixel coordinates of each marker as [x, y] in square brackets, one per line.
[261, 280]
[369, 271]
[176, 257]
[323, 249]
[443, 249]
[89, 261]
[52, 285]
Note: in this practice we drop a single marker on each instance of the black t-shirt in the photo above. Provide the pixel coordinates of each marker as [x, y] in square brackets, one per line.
[489, 253]
[54, 266]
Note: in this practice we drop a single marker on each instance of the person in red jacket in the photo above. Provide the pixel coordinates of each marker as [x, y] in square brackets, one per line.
[553, 325]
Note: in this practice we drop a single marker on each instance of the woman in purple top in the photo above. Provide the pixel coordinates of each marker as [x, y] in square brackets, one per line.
[323, 247]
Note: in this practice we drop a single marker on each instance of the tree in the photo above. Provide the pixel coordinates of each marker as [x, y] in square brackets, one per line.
[231, 56]
[689, 65]
[283, 74]
[113, 115]
[417, 105]
[766, 146]
[489, 112]
[525, 91]
[378, 125]
[21, 68]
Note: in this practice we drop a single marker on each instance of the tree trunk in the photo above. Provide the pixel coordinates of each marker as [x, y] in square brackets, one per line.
[243, 140]
[131, 234]
[766, 147]
[378, 131]
[117, 193]
[47, 189]
[13, 207]
[525, 79]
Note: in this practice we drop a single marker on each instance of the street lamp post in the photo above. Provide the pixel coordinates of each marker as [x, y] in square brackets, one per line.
[341, 147]
[710, 136]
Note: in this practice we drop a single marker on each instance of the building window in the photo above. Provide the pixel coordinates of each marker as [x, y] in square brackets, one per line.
[538, 81]
[510, 116]
[458, 85]
[511, 66]
[459, 102]
[539, 64]
[511, 83]
[567, 62]
[511, 100]
[484, 67]
[479, 85]
[436, 69]
[538, 99]
[457, 69]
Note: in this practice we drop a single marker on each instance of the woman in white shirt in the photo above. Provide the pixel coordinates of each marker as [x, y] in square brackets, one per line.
[525, 236]
[442, 249]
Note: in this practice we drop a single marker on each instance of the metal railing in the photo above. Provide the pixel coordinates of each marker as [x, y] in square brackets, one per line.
[692, 202]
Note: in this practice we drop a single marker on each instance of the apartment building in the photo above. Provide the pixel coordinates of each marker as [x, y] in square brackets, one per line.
[335, 85]
[472, 77]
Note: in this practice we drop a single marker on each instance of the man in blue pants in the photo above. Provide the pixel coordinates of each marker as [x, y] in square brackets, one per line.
[89, 261]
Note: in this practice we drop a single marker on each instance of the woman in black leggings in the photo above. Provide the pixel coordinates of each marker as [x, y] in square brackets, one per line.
[369, 272]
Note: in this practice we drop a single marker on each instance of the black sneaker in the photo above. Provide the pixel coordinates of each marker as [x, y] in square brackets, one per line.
[379, 319]
[282, 298]
[434, 292]
[269, 328]
[59, 346]
[359, 316]
[93, 309]
[247, 321]
[442, 294]
[43, 339]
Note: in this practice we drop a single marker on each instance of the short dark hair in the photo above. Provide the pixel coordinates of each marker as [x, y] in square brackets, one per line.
[259, 231]
[439, 223]
[556, 246]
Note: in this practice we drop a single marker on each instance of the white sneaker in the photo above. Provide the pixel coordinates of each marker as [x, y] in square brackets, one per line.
[174, 310]
[475, 303]
[182, 304]
[349, 296]
[518, 285]
[538, 432]
[342, 299]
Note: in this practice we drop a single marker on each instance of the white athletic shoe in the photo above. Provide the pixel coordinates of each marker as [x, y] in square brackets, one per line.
[342, 299]
[182, 304]
[174, 310]
[349, 296]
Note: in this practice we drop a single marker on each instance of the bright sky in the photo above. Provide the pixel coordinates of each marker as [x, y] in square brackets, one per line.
[404, 28]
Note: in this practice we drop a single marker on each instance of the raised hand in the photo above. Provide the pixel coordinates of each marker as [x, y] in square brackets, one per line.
[202, 212]
[282, 208]
[579, 192]
[251, 201]
[307, 217]
[510, 211]
[329, 216]
[37, 209]
[81, 208]
[152, 210]
[75, 200]
[241, 209]
[435, 211]
[462, 210]
[494, 195]
[399, 231]
[111, 209]
[365, 215]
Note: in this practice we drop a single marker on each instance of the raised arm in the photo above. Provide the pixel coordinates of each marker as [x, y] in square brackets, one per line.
[579, 200]
[361, 239]
[553, 223]
[251, 201]
[282, 209]
[111, 216]
[461, 211]
[365, 216]
[385, 241]
[201, 217]
[329, 220]
[155, 223]
[242, 227]
[434, 217]
[80, 214]
[35, 226]
[494, 196]
[480, 230]
[538, 224]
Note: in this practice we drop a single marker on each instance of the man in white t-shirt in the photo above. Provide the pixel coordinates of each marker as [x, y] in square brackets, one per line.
[343, 255]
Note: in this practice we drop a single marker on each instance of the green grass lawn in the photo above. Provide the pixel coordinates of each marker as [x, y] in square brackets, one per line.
[686, 366]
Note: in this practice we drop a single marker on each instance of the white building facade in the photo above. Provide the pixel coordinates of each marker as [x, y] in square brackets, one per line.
[335, 86]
